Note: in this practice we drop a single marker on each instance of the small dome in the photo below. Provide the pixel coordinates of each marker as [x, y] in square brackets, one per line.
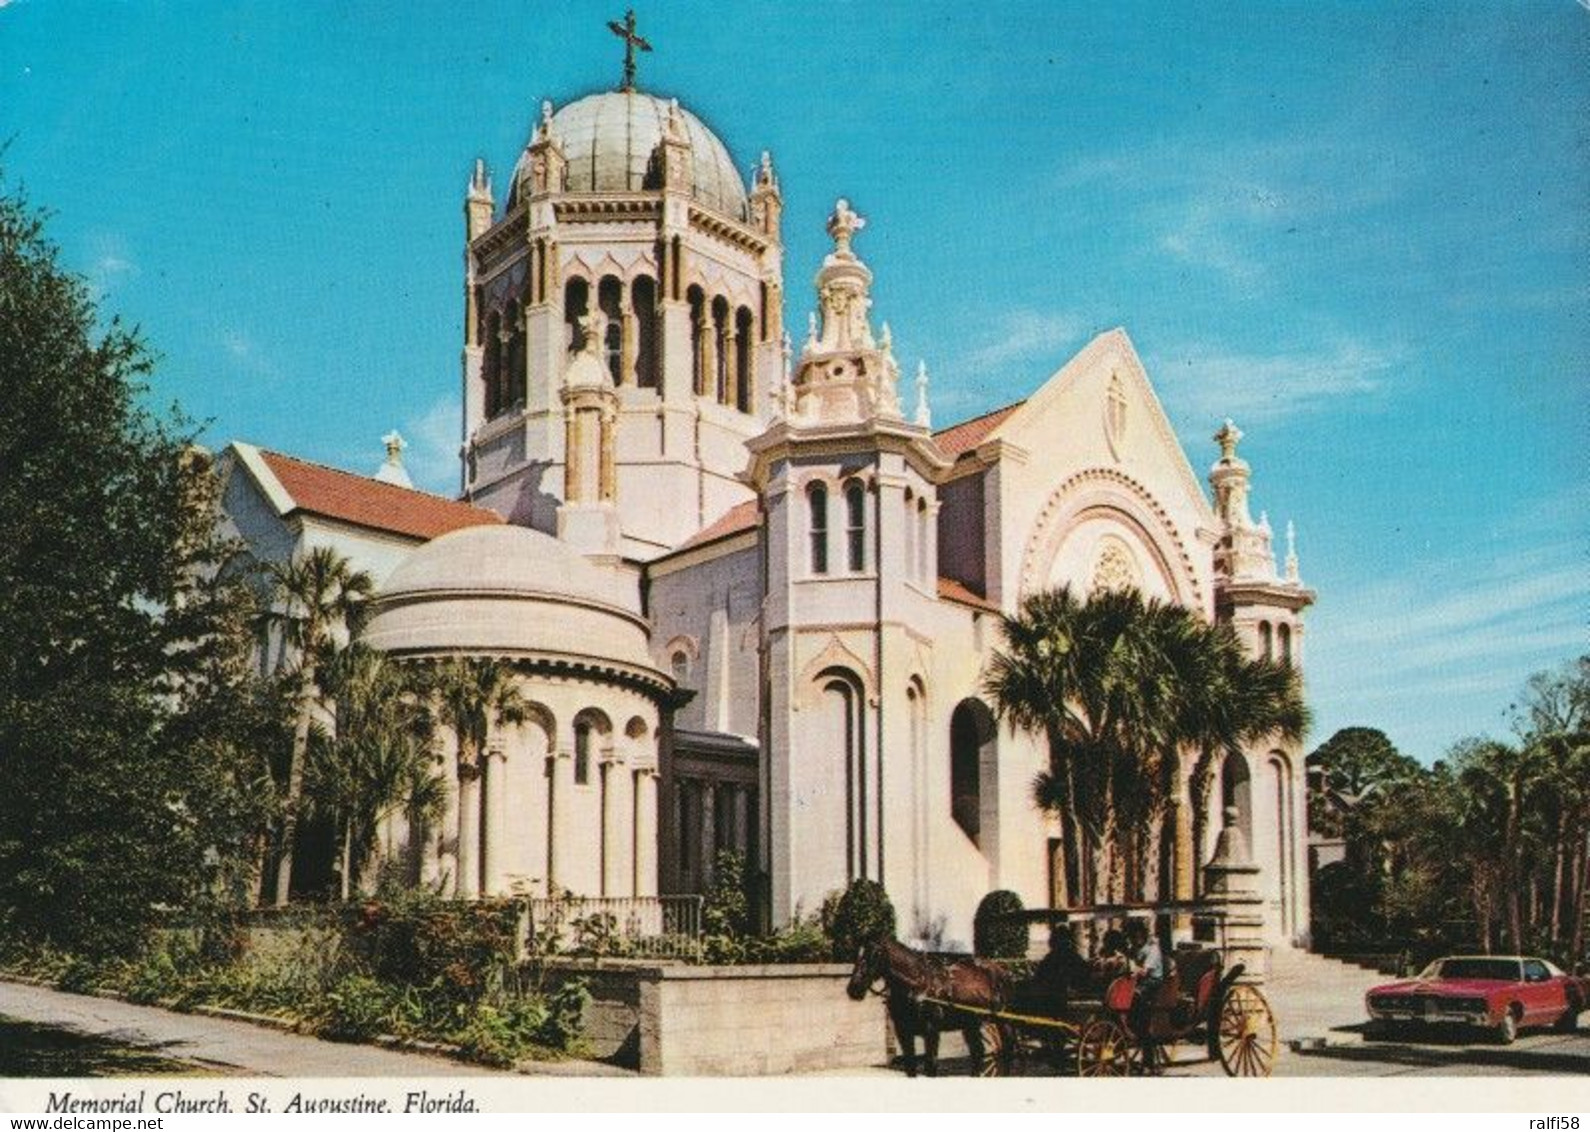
[609, 138]
[510, 590]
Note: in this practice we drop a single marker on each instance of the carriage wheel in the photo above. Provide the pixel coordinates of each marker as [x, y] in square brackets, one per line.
[1247, 1034]
[995, 1061]
[1104, 1049]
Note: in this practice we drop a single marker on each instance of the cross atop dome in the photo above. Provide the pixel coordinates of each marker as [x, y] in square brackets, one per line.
[626, 32]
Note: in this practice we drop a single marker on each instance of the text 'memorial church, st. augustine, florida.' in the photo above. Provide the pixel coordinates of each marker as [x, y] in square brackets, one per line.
[748, 588]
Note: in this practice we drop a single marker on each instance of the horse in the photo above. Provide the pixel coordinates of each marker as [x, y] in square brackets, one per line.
[922, 993]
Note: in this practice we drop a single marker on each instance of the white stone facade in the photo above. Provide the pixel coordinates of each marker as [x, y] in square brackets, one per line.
[776, 585]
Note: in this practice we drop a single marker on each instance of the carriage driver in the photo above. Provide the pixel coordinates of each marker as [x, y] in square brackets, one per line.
[1148, 964]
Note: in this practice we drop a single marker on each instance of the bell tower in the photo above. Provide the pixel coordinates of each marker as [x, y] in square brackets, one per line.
[625, 211]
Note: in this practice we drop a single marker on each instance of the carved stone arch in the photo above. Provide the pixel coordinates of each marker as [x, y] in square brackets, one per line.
[686, 643]
[835, 655]
[1099, 492]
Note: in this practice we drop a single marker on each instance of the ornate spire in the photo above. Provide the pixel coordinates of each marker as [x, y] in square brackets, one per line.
[1291, 553]
[480, 181]
[924, 416]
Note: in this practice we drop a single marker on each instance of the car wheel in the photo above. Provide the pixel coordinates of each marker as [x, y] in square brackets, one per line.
[1507, 1029]
[1569, 1022]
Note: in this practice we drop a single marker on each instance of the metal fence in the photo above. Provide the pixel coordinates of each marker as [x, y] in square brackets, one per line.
[642, 927]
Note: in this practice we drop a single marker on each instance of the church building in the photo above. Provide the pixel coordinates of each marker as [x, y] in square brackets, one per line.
[749, 588]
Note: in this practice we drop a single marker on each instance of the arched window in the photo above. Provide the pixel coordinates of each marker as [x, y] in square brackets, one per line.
[910, 534]
[841, 724]
[513, 381]
[493, 364]
[1266, 643]
[576, 305]
[742, 359]
[582, 752]
[1236, 793]
[698, 332]
[610, 297]
[721, 324]
[1284, 632]
[643, 297]
[817, 506]
[679, 665]
[855, 526]
[972, 734]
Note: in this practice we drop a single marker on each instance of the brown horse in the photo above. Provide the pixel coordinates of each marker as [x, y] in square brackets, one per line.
[922, 994]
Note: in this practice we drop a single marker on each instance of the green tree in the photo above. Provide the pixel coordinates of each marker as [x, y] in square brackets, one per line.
[1349, 767]
[318, 598]
[125, 701]
[1122, 689]
[471, 696]
[376, 759]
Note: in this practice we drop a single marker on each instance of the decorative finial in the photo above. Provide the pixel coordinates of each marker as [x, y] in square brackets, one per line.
[811, 330]
[886, 339]
[1291, 552]
[392, 471]
[1227, 438]
[1264, 521]
[844, 224]
[924, 417]
[546, 117]
[787, 348]
[479, 181]
[626, 32]
[764, 170]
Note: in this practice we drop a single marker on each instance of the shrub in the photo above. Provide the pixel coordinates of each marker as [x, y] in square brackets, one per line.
[356, 1009]
[726, 911]
[862, 915]
[995, 933]
[460, 949]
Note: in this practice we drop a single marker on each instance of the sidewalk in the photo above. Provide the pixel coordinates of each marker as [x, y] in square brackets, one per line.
[241, 1049]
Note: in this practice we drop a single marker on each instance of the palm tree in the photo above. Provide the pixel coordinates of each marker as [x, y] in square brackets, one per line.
[1083, 674]
[1120, 688]
[472, 696]
[317, 598]
[1232, 702]
[378, 758]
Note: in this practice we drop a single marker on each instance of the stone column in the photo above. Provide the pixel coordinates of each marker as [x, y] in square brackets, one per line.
[468, 831]
[608, 470]
[571, 473]
[709, 355]
[731, 362]
[615, 861]
[709, 832]
[560, 787]
[626, 335]
[1231, 892]
[495, 765]
[645, 856]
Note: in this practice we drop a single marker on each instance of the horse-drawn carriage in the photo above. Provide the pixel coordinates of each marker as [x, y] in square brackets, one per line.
[1090, 1022]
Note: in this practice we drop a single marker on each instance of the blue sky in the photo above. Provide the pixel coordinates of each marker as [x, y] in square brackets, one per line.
[1363, 231]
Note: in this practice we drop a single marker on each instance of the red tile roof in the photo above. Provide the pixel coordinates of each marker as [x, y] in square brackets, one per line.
[963, 437]
[370, 503]
[951, 590]
[740, 517]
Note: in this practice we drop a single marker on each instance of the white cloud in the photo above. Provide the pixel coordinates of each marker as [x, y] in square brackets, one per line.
[111, 262]
[1026, 335]
[432, 455]
[1205, 382]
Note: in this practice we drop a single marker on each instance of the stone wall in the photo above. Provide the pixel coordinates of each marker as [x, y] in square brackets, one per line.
[679, 1021]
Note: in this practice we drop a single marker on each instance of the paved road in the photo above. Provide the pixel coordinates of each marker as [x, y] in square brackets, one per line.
[234, 1048]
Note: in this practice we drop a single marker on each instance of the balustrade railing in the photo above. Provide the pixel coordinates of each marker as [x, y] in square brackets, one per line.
[644, 927]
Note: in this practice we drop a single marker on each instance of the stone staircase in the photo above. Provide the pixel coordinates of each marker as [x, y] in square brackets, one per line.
[1317, 998]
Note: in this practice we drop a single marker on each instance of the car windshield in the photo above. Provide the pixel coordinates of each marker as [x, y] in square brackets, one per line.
[1504, 969]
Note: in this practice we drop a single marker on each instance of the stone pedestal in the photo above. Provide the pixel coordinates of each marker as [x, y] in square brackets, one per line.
[1231, 894]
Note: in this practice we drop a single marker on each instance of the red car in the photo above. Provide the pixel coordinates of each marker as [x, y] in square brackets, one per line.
[1501, 993]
